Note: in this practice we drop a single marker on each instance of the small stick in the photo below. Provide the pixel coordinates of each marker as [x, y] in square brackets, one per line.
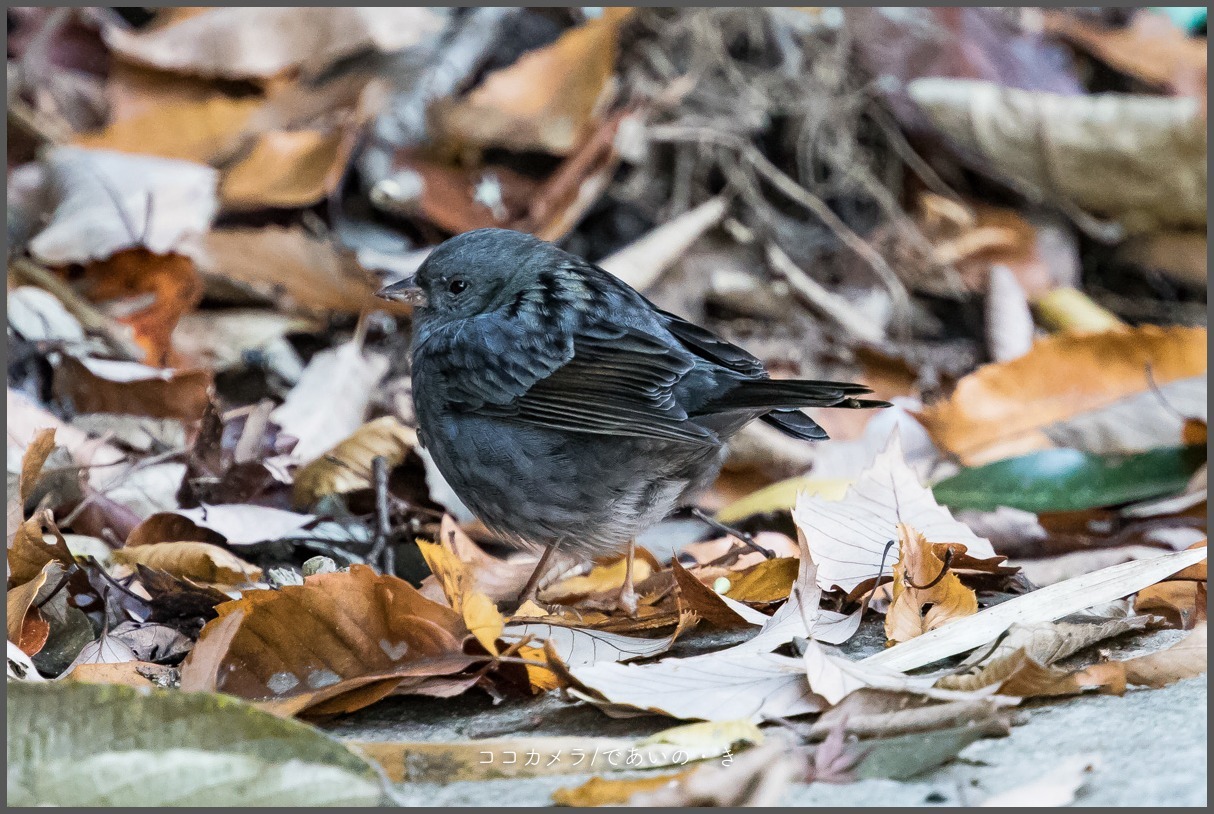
[382, 552]
[744, 536]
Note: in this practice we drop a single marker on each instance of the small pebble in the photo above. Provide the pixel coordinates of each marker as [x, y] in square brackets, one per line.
[722, 585]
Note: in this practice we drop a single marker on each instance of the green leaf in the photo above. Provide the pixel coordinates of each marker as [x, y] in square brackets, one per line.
[1059, 480]
[906, 756]
[94, 744]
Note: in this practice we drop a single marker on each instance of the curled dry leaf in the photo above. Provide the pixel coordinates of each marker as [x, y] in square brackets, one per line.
[479, 613]
[26, 627]
[330, 401]
[1151, 49]
[1017, 664]
[347, 466]
[201, 562]
[578, 646]
[336, 643]
[717, 610]
[1138, 158]
[1006, 409]
[1185, 659]
[547, 100]
[850, 537]
[106, 202]
[926, 592]
[495, 578]
[259, 43]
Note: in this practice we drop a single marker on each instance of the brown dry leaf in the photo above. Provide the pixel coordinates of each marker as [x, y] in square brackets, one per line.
[29, 550]
[292, 268]
[1185, 659]
[32, 461]
[1005, 409]
[769, 581]
[347, 466]
[1182, 255]
[709, 551]
[130, 388]
[546, 100]
[600, 791]
[1152, 48]
[1019, 662]
[201, 562]
[260, 43]
[26, 627]
[871, 713]
[138, 674]
[337, 643]
[926, 593]
[849, 537]
[168, 283]
[715, 609]
[1140, 159]
[205, 131]
[287, 170]
[1182, 603]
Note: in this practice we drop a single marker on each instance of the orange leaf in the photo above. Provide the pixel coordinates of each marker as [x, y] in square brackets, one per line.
[201, 562]
[104, 386]
[336, 643]
[205, 131]
[1001, 410]
[941, 599]
[26, 627]
[287, 170]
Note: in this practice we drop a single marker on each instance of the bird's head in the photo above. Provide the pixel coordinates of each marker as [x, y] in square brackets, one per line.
[473, 273]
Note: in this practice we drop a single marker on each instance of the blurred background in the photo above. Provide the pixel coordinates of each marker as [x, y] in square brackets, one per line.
[201, 203]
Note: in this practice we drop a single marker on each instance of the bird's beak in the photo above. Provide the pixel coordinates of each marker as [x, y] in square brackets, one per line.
[405, 290]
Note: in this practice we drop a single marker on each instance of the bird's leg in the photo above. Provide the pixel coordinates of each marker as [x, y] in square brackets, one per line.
[627, 599]
[533, 582]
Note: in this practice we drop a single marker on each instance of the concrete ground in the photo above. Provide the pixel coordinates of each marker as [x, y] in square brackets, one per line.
[1150, 746]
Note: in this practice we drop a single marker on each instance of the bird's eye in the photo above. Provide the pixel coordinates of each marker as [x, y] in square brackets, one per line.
[457, 286]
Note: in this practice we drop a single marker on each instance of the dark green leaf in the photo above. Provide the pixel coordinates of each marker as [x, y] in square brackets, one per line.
[1059, 480]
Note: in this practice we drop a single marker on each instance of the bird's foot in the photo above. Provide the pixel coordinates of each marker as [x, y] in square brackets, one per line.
[626, 600]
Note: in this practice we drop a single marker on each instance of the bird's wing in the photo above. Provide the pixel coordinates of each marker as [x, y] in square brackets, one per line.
[709, 346]
[618, 381]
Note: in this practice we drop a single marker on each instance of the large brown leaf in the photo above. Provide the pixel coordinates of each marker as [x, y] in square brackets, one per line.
[1003, 410]
[336, 643]
[926, 593]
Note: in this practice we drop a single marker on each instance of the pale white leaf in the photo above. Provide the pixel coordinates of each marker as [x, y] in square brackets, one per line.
[723, 686]
[579, 646]
[1044, 605]
[848, 537]
[108, 201]
[241, 523]
[330, 400]
[39, 316]
[1057, 787]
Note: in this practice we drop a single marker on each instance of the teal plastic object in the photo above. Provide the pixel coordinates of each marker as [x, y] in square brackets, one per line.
[1186, 18]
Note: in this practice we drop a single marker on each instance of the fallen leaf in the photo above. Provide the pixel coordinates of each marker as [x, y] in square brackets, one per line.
[926, 594]
[546, 100]
[288, 265]
[330, 401]
[139, 674]
[223, 340]
[718, 610]
[106, 202]
[1057, 787]
[20, 667]
[1137, 158]
[204, 131]
[1024, 649]
[156, 747]
[1006, 409]
[1151, 48]
[235, 524]
[603, 578]
[286, 170]
[769, 581]
[758, 777]
[259, 43]
[108, 386]
[26, 627]
[873, 713]
[850, 537]
[599, 791]
[578, 646]
[202, 562]
[496, 578]
[337, 643]
[1044, 605]
[1182, 603]
[168, 283]
[347, 466]
[1185, 659]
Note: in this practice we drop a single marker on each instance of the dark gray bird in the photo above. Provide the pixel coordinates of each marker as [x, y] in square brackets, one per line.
[565, 409]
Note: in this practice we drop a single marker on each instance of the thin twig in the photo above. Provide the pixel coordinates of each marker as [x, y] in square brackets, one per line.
[745, 537]
[381, 552]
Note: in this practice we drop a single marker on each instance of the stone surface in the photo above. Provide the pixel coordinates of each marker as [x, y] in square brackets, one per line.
[1150, 744]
